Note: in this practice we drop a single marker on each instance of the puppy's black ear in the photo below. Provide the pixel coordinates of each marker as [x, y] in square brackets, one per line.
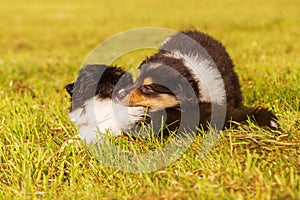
[69, 88]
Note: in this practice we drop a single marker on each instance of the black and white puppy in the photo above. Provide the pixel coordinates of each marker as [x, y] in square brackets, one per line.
[203, 62]
[93, 109]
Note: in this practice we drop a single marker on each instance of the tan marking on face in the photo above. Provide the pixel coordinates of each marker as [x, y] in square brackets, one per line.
[148, 81]
[135, 98]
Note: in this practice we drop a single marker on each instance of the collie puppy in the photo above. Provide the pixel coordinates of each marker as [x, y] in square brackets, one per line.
[192, 71]
[93, 109]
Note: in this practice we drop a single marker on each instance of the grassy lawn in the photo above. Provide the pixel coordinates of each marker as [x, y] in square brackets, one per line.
[42, 45]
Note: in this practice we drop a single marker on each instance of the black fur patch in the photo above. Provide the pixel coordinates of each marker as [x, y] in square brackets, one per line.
[96, 80]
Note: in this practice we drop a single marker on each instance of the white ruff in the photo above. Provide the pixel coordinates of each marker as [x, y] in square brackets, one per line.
[204, 70]
[97, 117]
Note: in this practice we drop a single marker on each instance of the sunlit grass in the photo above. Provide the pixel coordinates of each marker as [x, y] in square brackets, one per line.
[42, 46]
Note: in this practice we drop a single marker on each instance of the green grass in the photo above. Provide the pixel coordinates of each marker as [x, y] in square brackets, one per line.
[42, 45]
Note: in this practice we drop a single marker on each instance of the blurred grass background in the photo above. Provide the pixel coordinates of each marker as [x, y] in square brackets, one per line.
[43, 44]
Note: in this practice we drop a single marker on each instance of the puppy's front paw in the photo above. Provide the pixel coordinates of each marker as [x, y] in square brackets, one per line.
[137, 114]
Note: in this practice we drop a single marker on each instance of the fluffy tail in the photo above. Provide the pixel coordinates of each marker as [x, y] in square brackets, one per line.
[261, 116]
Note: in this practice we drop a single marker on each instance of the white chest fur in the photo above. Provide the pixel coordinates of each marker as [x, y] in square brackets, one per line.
[98, 116]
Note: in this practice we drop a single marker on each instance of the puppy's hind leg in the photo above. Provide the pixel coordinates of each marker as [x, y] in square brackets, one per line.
[261, 116]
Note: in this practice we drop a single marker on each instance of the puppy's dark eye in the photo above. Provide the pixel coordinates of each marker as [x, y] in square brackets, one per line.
[147, 89]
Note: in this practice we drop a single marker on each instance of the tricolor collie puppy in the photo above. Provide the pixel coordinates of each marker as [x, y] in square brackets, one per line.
[192, 71]
[93, 109]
